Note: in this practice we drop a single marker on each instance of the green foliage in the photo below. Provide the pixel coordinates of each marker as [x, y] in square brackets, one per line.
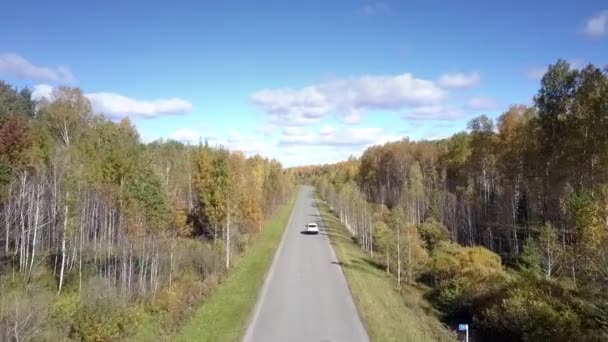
[144, 191]
[388, 315]
[590, 234]
[462, 274]
[382, 237]
[433, 233]
[224, 315]
[530, 259]
[15, 102]
[103, 320]
[531, 310]
[531, 188]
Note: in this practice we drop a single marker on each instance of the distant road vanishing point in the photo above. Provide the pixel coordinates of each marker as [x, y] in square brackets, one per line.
[305, 296]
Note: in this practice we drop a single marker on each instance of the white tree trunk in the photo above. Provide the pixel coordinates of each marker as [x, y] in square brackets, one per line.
[398, 257]
[36, 219]
[65, 224]
[228, 240]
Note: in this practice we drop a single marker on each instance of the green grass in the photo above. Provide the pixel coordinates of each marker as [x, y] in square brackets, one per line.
[388, 315]
[225, 314]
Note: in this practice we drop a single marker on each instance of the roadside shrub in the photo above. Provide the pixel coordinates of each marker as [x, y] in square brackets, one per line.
[167, 300]
[452, 261]
[197, 256]
[104, 322]
[102, 314]
[240, 242]
[462, 275]
[530, 310]
[433, 233]
[23, 317]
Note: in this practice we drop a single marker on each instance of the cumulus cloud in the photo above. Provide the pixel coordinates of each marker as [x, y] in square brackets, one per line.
[459, 80]
[13, 65]
[293, 131]
[330, 136]
[347, 97]
[327, 130]
[373, 9]
[42, 91]
[266, 129]
[597, 25]
[435, 112]
[248, 144]
[118, 106]
[352, 118]
[481, 103]
[302, 106]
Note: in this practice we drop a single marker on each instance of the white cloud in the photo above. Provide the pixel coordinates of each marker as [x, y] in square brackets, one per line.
[597, 25]
[293, 131]
[374, 9]
[266, 129]
[300, 106]
[344, 137]
[248, 144]
[42, 91]
[327, 130]
[347, 97]
[118, 106]
[481, 103]
[13, 65]
[435, 112]
[459, 80]
[352, 118]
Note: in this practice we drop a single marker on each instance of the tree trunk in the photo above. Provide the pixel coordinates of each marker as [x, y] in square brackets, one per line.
[65, 225]
[36, 216]
[7, 221]
[398, 257]
[228, 240]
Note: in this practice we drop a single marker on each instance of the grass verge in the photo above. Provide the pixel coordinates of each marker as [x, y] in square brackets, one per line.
[225, 313]
[388, 315]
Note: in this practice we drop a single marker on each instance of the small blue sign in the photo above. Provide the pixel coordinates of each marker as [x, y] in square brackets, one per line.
[463, 327]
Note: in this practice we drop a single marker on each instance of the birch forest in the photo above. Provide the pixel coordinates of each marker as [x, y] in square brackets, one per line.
[98, 229]
[505, 224]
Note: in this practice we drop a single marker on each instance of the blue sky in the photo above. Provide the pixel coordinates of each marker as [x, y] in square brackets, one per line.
[305, 83]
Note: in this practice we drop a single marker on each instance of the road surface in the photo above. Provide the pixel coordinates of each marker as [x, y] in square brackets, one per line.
[305, 296]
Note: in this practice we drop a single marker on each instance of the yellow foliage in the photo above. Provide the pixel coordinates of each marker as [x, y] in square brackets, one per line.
[452, 260]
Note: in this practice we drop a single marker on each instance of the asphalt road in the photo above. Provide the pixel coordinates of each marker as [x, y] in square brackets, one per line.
[305, 296]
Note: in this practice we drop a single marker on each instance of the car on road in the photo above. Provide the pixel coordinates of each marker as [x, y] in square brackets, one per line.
[312, 228]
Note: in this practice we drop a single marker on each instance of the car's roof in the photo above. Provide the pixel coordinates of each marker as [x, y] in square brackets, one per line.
[312, 224]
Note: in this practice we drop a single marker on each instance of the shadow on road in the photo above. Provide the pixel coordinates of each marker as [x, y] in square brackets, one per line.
[305, 232]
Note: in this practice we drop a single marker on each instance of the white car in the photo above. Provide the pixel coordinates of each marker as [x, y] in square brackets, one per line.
[312, 228]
